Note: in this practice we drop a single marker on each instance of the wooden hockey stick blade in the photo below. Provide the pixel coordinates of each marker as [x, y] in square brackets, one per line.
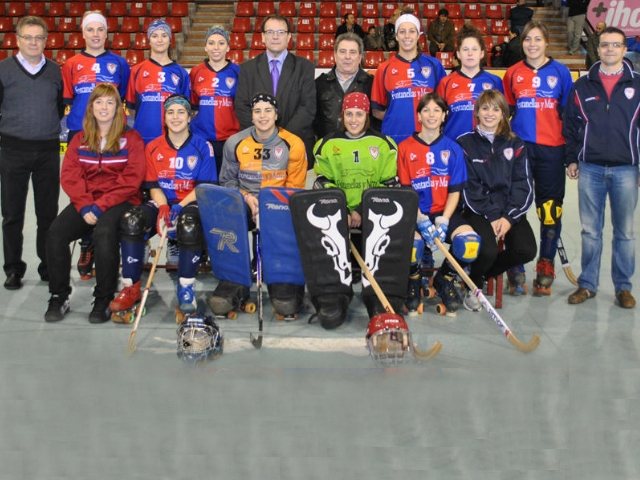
[530, 346]
[566, 266]
[130, 346]
[424, 356]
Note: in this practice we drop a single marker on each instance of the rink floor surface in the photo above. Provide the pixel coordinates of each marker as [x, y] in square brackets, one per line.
[311, 403]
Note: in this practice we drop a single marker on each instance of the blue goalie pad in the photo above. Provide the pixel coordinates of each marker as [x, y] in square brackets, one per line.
[224, 221]
[280, 255]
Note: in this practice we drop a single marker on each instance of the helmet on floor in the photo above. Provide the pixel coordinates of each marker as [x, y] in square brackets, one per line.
[199, 339]
[388, 339]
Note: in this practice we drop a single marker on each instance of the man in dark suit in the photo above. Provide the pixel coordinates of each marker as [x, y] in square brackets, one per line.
[289, 77]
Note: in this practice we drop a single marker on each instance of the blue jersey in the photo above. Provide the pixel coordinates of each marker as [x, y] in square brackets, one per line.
[461, 92]
[80, 75]
[150, 85]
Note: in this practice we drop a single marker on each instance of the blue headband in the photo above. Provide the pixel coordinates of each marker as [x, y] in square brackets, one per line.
[216, 30]
[158, 25]
[179, 100]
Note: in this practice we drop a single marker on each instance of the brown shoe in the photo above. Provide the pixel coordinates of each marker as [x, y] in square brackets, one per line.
[625, 299]
[580, 295]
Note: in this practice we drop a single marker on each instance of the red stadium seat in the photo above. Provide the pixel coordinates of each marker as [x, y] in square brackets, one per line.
[37, 9]
[308, 9]
[140, 41]
[121, 41]
[17, 9]
[306, 25]
[2, 10]
[472, 10]
[77, 9]
[430, 10]
[68, 24]
[373, 58]
[287, 9]
[9, 41]
[499, 27]
[241, 25]
[159, 9]
[328, 9]
[175, 23]
[138, 9]
[113, 24]
[369, 22]
[57, 9]
[6, 25]
[236, 56]
[493, 10]
[180, 9]
[130, 24]
[133, 57]
[116, 9]
[457, 24]
[446, 58]
[455, 11]
[414, 6]
[75, 41]
[50, 21]
[488, 43]
[266, 8]
[55, 40]
[422, 43]
[308, 54]
[237, 41]
[305, 41]
[254, 53]
[48, 53]
[481, 24]
[63, 54]
[370, 10]
[348, 7]
[98, 6]
[388, 9]
[449, 1]
[245, 9]
[257, 26]
[325, 59]
[256, 42]
[327, 41]
[327, 25]
[4, 53]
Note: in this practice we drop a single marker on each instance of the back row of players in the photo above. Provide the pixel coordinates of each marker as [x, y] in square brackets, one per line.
[183, 150]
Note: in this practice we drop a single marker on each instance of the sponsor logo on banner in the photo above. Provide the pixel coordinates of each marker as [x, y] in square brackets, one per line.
[623, 14]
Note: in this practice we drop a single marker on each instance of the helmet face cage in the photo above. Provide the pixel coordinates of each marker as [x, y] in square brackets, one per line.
[388, 339]
[199, 340]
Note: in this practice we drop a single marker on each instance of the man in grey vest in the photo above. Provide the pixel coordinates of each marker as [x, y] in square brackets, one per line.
[30, 112]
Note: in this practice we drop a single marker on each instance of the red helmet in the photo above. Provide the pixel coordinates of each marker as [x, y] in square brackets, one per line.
[388, 338]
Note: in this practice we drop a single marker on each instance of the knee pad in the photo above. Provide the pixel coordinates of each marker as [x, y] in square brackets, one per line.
[466, 245]
[133, 223]
[417, 251]
[189, 229]
[550, 212]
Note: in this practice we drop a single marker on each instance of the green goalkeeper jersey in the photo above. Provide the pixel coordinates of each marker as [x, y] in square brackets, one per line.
[355, 164]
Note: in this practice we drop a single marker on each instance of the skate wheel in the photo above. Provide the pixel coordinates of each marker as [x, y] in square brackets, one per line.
[179, 316]
[430, 293]
[441, 309]
[250, 307]
[85, 277]
[526, 289]
[117, 318]
[232, 315]
[152, 253]
[421, 308]
[128, 317]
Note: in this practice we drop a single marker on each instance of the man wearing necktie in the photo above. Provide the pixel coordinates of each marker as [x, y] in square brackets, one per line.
[289, 77]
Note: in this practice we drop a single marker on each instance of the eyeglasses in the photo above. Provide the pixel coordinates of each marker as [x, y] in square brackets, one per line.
[273, 33]
[29, 38]
[612, 44]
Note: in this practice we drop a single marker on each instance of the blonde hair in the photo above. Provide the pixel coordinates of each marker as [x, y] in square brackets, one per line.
[91, 133]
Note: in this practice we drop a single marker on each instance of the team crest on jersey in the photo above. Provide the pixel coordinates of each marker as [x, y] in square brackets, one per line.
[552, 81]
[123, 143]
[230, 82]
[426, 72]
[444, 156]
[336, 150]
[508, 153]
[487, 86]
[192, 161]
[112, 68]
[374, 152]
[175, 79]
[629, 92]
[278, 152]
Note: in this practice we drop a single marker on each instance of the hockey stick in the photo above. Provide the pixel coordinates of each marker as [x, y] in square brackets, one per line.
[530, 346]
[130, 346]
[257, 341]
[566, 266]
[420, 355]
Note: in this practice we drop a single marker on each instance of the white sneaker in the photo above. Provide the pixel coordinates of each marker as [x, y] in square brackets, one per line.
[471, 302]
[172, 252]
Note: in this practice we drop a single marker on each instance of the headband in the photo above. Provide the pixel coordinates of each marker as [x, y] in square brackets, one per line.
[179, 100]
[158, 25]
[217, 31]
[94, 17]
[407, 17]
[356, 100]
[264, 97]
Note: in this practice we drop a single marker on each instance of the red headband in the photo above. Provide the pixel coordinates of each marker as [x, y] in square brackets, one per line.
[356, 100]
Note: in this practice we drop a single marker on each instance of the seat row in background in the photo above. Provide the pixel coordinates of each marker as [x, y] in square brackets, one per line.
[161, 8]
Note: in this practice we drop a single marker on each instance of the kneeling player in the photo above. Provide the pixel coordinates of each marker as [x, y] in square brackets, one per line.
[176, 163]
[434, 166]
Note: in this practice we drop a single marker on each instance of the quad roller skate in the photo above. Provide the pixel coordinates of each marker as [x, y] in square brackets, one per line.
[331, 309]
[228, 298]
[413, 304]
[187, 302]
[516, 281]
[544, 277]
[124, 307]
[85, 262]
[286, 300]
[445, 287]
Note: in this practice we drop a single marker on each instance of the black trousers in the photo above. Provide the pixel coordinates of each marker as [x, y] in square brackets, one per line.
[519, 248]
[70, 226]
[17, 168]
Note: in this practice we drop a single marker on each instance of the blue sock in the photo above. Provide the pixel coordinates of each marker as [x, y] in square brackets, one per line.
[188, 262]
[132, 256]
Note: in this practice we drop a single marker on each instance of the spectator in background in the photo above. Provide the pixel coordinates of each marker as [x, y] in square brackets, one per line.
[575, 24]
[520, 15]
[345, 77]
[289, 77]
[350, 26]
[389, 31]
[592, 45]
[30, 112]
[513, 49]
[441, 33]
[373, 40]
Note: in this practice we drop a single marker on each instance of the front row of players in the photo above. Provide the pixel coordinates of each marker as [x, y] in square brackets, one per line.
[490, 172]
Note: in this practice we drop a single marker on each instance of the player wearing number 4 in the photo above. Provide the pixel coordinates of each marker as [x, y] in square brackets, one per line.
[176, 163]
[434, 166]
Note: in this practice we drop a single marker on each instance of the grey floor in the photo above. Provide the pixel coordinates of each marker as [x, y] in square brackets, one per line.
[311, 404]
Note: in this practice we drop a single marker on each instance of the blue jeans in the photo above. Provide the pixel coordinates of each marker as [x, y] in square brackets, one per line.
[594, 184]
